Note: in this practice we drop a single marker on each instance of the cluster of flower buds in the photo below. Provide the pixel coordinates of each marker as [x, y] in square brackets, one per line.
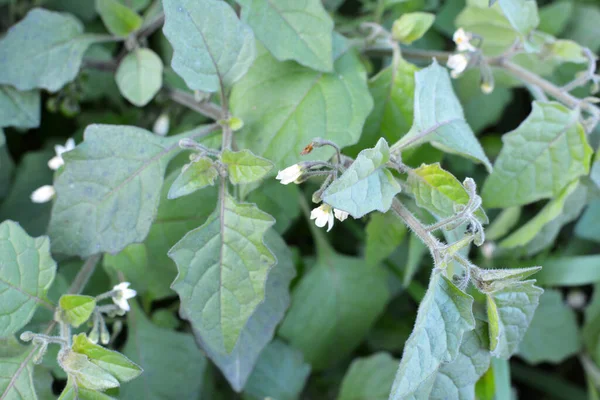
[467, 54]
[46, 193]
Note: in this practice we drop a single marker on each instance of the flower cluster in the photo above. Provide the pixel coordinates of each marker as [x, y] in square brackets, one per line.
[459, 62]
[47, 192]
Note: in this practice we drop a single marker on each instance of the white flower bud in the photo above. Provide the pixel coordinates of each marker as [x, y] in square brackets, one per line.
[43, 194]
[290, 174]
[457, 63]
[161, 125]
[340, 215]
[57, 161]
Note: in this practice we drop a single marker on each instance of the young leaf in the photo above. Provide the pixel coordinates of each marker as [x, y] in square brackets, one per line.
[510, 311]
[76, 309]
[119, 19]
[16, 374]
[26, 273]
[385, 232]
[439, 117]
[171, 361]
[280, 373]
[366, 185]
[412, 26]
[237, 365]
[212, 48]
[19, 109]
[244, 166]
[539, 158]
[44, 50]
[333, 307]
[493, 280]
[284, 105]
[223, 266]
[139, 76]
[292, 30]
[444, 316]
[196, 175]
[369, 378]
[85, 373]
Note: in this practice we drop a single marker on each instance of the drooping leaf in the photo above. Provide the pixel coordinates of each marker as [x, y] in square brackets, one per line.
[237, 365]
[223, 266]
[16, 375]
[510, 311]
[171, 361]
[553, 334]
[366, 185]
[333, 307]
[19, 109]
[439, 118]
[26, 273]
[139, 76]
[76, 309]
[385, 232]
[44, 50]
[280, 373]
[444, 316]
[369, 378]
[245, 167]
[284, 105]
[119, 19]
[292, 30]
[539, 158]
[212, 48]
[196, 175]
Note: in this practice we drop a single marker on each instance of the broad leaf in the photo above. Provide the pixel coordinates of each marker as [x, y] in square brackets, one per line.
[237, 365]
[444, 316]
[44, 50]
[284, 105]
[385, 232]
[171, 361]
[198, 174]
[280, 373]
[245, 167]
[26, 273]
[139, 76]
[366, 185]
[212, 48]
[280, 200]
[333, 307]
[19, 109]
[292, 30]
[553, 334]
[522, 15]
[439, 118]
[510, 311]
[16, 375]
[369, 378]
[76, 309]
[119, 19]
[223, 267]
[539, 158]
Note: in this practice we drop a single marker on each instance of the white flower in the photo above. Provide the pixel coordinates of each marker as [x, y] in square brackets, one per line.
[161, 125]
[57, 161]
[457, 63]
[463, 40]
[339, 214]
[323, 215]
[121, 294]
[43, 194]
[290, 174]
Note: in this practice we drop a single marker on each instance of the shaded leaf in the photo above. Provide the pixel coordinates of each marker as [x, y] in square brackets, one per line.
[19, 109]
[385, 232]
[280, 200]
[369, 378]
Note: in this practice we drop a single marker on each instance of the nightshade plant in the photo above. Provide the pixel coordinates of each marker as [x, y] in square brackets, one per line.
[296, 199]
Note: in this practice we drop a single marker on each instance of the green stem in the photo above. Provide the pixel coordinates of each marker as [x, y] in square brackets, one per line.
[84, 274]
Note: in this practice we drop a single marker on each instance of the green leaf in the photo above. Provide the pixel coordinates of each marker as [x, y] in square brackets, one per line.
[554, 17]
[196, 175]
[584, 28]
[493, 280]
[439, 117]
[292, 30]
[26, 273]
[444, 316]
[567, 51]
[385, 232]
[119, 19]
[139, 76]
[76, 309]
[85, 373]
[223, 266]
[333, 307]
[44, 50]
[284, 105]
[570, 271]
[522, 15]
[412, 26]
[366, 185]
[244, 166]
[258, 332]
[438, 191]
[503, 223]
[369, 378]
[539, 158]
[70, 393]
[171, 360]
[16, 375]
[280, 373]
[555, 317]
[280, 200]
[587, 227]
[510, 311]
[542, 230]
[19, 109]
[212, 48]
[108, 193]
